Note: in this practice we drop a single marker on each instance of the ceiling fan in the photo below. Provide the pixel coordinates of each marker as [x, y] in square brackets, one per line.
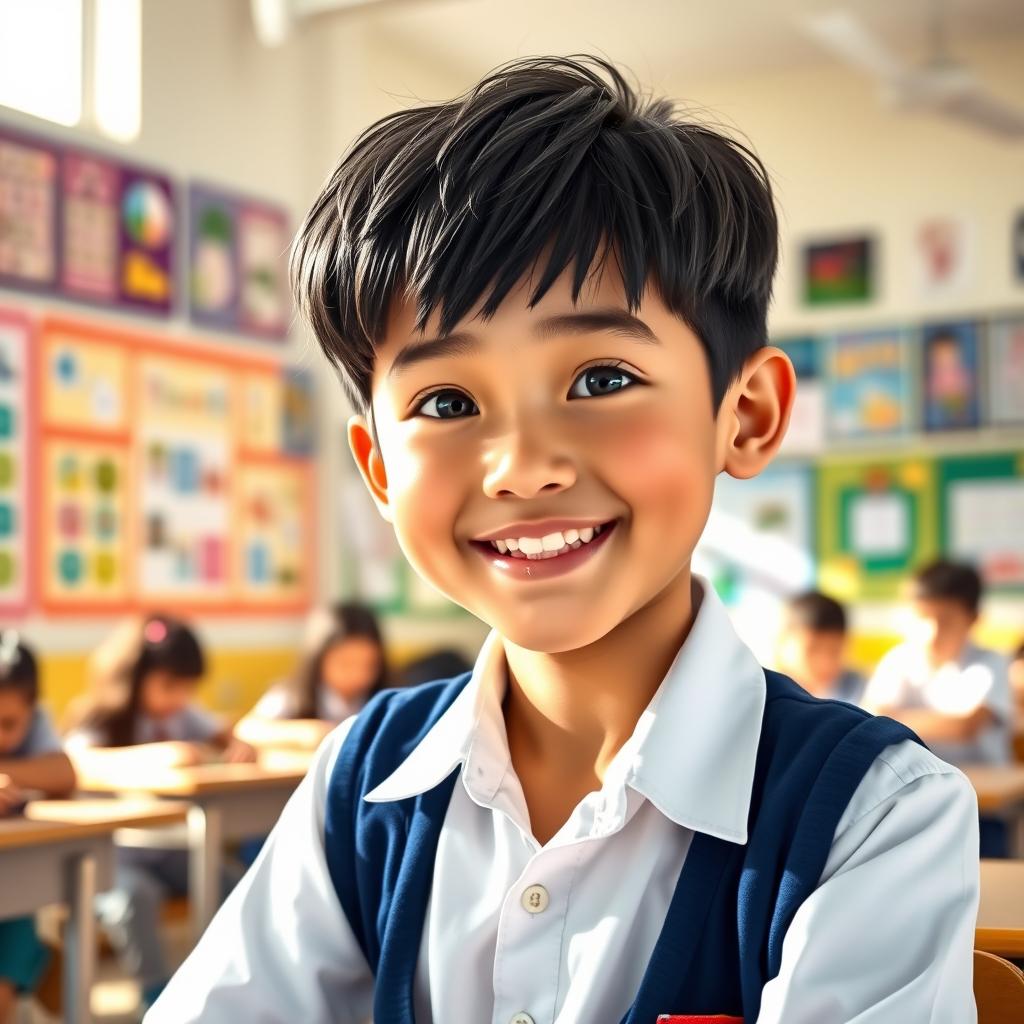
[940, 86]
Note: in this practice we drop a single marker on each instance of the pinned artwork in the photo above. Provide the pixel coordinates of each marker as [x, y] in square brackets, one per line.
[15, 518]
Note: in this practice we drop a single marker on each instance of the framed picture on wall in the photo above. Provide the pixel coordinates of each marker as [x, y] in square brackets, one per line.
[870, 391]
[839, 271]
[951, 376]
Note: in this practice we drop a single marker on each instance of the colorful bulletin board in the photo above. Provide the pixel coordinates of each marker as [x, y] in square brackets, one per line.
[28, 212]
[870, 388]
[876, 522]
[951, 378]
[806, 432]
[152, 454]
[982, 514]
[88, 226]
[238, 255]
[15, 460]
[118, 233]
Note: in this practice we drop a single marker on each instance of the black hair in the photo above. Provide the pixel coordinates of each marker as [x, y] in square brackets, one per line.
[152, 644]
[455, 203]
[18, 669]
[948, 581]
[445, 663]
[816, 611]
[345, 620]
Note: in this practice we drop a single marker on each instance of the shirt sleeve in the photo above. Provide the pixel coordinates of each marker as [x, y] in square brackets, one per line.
[42, 738]
[280, 949]
[275, 705]
[889, 933]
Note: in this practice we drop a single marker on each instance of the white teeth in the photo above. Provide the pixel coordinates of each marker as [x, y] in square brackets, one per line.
[512, 544]
[550, 545]
[531, 545]
[552, 542]
[501, 546]
[586, 534]
[571, 536]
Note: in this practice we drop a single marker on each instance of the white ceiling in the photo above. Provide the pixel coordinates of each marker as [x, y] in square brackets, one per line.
[659, 39]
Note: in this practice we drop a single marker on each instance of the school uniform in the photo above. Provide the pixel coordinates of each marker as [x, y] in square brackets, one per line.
[281, 703]
[977, 678]
[144, 877]
[751, 852]
[23, 957]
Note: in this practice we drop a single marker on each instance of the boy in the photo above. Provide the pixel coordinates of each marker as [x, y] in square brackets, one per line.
[31, 762]
[812, 647]
[548, 302]
[952, 693]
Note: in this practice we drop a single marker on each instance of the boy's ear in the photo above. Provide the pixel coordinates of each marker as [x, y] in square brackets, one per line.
[370, 463]
[755, 412]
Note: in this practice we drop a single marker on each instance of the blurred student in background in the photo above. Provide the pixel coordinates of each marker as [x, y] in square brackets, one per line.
[954, 694]
[1017, 687]
[142, 717]
[343, 665]
[32, 764]
[812, 648]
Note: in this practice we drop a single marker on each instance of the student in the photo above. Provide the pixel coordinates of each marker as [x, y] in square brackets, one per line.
[954, 694]
[1017, 687]
[812, 648]
[344, 665]
[142, 718]
[548, 301]
[31, 763]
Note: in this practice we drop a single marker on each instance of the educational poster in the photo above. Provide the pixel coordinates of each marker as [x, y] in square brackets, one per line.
[28, 212]
[85, 552]
[876, 522]
[982, 511]
[299, 412]
[950, 355]
[869, 388]
[15, 520]
[85, 385]
[838, 271]
[262, 412]
[943, 257]
[806, 433]
[275, 532]
[184, 448]
[1006, 377]
[118, 233]
[238, 257]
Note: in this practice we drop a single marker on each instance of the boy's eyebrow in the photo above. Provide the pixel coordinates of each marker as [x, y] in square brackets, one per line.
[616, 321]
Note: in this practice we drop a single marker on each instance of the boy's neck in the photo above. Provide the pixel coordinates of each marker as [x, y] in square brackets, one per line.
[568, 714]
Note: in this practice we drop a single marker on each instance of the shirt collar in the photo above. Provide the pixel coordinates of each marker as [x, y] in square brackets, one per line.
[692, 753]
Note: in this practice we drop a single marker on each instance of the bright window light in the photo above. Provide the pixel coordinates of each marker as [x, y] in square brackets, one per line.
[117, 64]
[41, 58]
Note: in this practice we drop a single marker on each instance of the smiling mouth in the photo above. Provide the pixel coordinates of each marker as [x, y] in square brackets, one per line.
[552, 545]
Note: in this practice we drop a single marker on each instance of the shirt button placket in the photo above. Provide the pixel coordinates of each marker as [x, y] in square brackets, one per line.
[535, 899]
[521, 1018]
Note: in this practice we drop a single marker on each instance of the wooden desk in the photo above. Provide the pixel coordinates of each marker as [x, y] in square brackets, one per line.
[1000, 790]
[1000, 927]
[62, 851]
[226, 801]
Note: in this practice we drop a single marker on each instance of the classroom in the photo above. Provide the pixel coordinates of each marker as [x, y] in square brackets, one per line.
[229, 520]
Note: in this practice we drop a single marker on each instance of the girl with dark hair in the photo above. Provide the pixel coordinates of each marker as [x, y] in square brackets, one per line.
[343, 666]
[141, 717]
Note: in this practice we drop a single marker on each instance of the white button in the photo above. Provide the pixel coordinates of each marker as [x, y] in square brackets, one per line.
[521, 1018]
[535, 900]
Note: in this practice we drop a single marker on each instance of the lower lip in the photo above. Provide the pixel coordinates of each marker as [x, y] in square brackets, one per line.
[544, 568]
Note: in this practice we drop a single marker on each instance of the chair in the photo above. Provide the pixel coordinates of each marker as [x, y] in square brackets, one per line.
[998, 989]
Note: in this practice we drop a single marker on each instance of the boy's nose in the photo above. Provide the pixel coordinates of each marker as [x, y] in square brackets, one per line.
[524, 464]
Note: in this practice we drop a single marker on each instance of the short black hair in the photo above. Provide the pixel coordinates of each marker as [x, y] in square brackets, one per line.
[816, 611]
[948, 581]
[453, 204]
[18, 669]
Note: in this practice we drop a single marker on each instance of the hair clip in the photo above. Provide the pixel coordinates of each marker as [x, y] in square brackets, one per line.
[155, 631]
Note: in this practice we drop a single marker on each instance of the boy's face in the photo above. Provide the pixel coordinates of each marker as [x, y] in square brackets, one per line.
[943, 627]
[814, 657]
[503, 434]
[15, 719]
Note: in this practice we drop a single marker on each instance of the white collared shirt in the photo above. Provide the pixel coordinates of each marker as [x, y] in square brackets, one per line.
[559, 934]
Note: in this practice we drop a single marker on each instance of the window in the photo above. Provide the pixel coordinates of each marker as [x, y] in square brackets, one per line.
[74, 62]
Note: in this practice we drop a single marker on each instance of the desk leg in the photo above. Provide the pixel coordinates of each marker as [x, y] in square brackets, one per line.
[205, 839]
[79, 939]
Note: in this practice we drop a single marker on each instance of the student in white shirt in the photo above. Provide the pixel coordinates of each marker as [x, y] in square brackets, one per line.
[342, 667]
[954, 694]
[548, 299]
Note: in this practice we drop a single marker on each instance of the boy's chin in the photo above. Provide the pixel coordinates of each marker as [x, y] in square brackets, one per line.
[554, 637]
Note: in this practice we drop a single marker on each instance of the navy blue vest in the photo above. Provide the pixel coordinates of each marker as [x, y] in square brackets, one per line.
[722, 937]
